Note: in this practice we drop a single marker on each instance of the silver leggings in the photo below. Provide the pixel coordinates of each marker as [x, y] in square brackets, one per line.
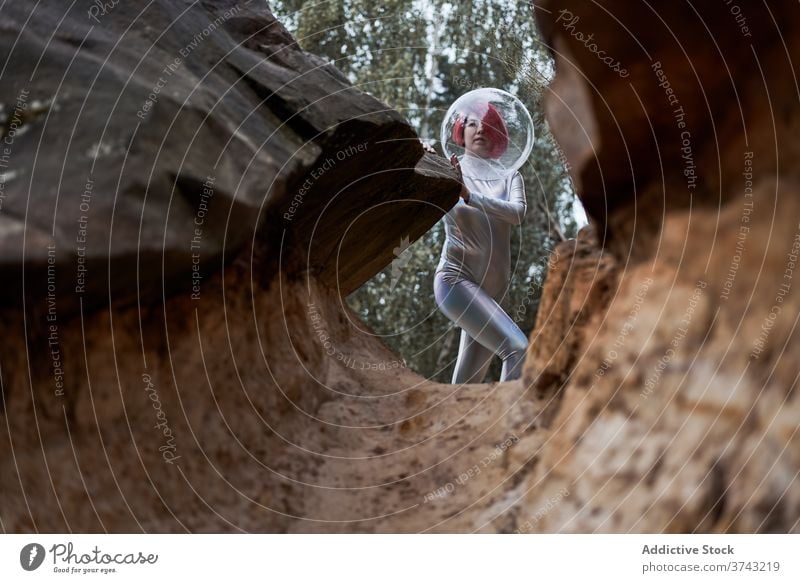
[486, 330]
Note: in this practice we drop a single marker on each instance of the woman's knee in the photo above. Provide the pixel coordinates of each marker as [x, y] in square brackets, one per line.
[518, 342]
[454, 299]
[443, 294]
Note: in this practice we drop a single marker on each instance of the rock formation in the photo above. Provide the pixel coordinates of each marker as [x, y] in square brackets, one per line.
[187, 198]
[664, 351]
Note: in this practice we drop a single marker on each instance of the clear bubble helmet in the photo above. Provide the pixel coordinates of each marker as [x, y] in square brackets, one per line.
[507, 126]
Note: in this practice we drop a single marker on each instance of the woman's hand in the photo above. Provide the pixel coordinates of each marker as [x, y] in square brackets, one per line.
[454, 161]
[457, 165]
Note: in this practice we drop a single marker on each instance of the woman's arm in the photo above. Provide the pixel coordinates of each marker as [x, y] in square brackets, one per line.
[511, 211]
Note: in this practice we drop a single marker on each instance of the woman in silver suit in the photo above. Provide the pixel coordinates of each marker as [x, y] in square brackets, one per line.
[473, 273]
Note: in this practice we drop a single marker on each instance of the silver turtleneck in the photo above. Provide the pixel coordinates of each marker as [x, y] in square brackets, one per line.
[477, 242]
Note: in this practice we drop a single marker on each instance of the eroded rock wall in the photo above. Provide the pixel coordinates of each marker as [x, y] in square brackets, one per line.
[675, 406]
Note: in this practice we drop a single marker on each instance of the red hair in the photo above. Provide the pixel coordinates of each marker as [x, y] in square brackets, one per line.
[494, 128]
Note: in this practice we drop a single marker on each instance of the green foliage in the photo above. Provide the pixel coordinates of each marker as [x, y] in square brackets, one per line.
[419, 56]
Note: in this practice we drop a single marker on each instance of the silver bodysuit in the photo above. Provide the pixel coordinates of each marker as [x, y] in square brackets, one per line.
[473, 273]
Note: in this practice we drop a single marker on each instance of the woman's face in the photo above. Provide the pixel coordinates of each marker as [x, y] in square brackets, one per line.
[475, 140]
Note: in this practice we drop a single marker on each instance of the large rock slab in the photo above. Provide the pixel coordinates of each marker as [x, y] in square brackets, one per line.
[148, 143]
